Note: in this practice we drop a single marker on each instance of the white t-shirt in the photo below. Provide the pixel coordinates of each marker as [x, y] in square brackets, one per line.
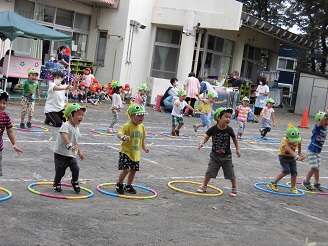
[117, 101]
[262, 89]
[178, 111]
[56, 100]
[73, 136]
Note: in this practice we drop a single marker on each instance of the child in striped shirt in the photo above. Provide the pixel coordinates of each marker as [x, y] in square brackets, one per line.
[242, 113]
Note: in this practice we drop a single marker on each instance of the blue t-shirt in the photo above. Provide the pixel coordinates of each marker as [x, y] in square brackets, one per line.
[318, 138]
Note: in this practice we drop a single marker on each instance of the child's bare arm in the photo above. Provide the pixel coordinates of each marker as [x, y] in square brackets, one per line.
[144, 146]
[299, 152]
[235, 142]
[38, 93]
[273, 119]
[205, 139]
[123, 137]
[12, 139]
[220, 102]
[262, 112]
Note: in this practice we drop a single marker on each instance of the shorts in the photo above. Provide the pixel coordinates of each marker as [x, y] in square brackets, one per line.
[217, 161]
[205, 120]
[314, 159]
[124, 162]
[177, 121]
[288, 164]
[27, 106]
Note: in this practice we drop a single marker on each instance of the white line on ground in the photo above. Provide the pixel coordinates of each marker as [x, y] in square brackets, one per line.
[307, 215]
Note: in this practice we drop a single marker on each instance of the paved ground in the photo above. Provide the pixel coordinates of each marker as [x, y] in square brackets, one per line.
[173, 218]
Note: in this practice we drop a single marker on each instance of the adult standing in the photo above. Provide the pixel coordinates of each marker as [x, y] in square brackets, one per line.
[192, 87]
[262, 94]
[56, 99]
[14, 81]
[62, 58]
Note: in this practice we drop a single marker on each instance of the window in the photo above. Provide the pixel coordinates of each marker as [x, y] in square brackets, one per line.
[101, 48]
[44, 13]
[82, 22]
[24, 8]
[166, 53]
[64, 17]
[252, 58]
[286, 64]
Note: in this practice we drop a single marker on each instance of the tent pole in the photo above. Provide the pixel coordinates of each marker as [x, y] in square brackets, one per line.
[9, 56]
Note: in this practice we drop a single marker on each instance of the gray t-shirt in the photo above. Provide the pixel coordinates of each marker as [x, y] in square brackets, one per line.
[73, 136]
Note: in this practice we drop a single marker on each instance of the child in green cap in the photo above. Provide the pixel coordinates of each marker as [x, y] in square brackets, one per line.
[132, 134]
[205, 110]
[30, 88]
[177, 112]
[221, 152]
[66, 147]
[319, 134]
[288, 158]
[141, 97]
[268, 119]
[242, 112]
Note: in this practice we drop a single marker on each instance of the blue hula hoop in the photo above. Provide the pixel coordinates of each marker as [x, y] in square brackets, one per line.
[6, 197]
[256, 185]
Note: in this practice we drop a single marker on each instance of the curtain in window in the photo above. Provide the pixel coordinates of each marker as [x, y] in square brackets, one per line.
[24, 8]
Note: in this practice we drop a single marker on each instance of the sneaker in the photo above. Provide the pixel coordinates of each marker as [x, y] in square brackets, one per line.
[29, 125]
[119, 188]
[177, 133]
[57, 187]
[264, 138]
[307, 185]
[76, 186]
[110, 130]
[22, 125]
[293, 190]
[195, 128]
[130, 189]
[202, 189]
[233, 192]
[318, 187]
[173, 133]
[273, 186]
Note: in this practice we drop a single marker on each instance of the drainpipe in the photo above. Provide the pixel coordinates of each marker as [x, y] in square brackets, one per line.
[197, 51]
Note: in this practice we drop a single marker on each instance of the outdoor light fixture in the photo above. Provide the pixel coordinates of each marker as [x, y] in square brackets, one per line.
[138, 24]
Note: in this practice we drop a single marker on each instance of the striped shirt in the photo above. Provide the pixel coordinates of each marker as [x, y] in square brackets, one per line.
[5, 123]
[243, 112]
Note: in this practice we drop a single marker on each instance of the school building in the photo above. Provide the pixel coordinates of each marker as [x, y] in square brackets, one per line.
[151, 41]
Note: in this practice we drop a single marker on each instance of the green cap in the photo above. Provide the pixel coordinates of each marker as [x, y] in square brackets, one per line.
[182, 93]
[4, 95]
[245, 99]
[32, 71]
[218, 112]
[319, 116]
[73, 107]
[270, 100]
[116, 84]
[136, 109]
[143, 87]
[293, 134]
[211, 95]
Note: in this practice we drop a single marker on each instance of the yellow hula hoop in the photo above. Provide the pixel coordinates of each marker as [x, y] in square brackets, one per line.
[191, 192]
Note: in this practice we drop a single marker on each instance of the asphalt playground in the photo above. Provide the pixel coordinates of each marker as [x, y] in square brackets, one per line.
[254, 217]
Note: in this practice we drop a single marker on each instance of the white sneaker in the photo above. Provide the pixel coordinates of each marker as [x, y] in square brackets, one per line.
[202, 189]
[110, 130]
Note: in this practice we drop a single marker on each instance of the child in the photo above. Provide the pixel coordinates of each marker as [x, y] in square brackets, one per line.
[99, 93]
[267, 114]
[133, 137]
[205, 108]
[116, 104]
[92, 97]
[288, 158]
[318, 138]
[242, 112]
[105, 93]
[221, 152]
[141, 97]
[177, 112]
[81, 92]
[127, 93]
[30, 87]
[66, 147]
[87, 79]
[5, 124]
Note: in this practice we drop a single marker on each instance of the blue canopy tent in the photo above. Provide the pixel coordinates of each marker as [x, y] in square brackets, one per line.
[13, 25]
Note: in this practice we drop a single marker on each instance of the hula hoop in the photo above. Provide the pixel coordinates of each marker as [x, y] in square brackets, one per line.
[256, 185]
[56, 196]
[125, 196]
[168, 134]
[103, 131]
[313, 192]
[9, 194]
[268, 140]
[246, 140]
[33, 129]
[169, 184]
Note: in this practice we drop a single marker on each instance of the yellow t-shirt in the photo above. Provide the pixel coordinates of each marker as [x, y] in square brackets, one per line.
[285, 142]
[205, 107]
[132, 147]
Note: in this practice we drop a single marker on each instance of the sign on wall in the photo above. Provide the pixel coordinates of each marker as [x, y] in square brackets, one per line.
[20, 65]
